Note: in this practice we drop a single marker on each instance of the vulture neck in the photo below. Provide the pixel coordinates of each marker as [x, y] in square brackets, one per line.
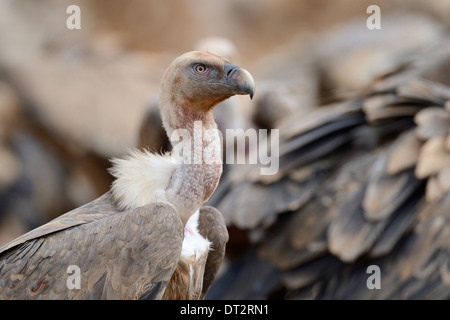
[197, 149]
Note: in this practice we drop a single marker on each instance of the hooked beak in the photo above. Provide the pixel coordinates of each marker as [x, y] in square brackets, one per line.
[240, 79]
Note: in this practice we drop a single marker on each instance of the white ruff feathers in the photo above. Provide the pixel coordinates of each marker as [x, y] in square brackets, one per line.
[141, 178]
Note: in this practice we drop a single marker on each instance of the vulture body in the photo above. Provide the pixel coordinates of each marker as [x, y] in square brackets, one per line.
[148, 237]
[363, 182]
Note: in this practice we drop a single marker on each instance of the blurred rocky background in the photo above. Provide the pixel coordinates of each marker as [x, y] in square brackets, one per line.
[72, 99]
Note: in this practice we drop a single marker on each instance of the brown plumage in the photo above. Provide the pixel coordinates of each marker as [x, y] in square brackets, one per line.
[112, 250]
[149, 232]
[363, 181]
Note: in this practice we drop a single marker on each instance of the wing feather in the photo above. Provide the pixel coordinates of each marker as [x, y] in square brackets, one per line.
[133, 262]
[97, 209]
[212, 226]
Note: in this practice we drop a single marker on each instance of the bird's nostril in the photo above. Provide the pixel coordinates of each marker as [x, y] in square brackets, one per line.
[230, 72]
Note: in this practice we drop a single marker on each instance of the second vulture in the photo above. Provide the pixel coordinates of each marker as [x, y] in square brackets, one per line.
[360, 206]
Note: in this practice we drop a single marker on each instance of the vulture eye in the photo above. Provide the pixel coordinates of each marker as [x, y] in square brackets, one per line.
[199, 68]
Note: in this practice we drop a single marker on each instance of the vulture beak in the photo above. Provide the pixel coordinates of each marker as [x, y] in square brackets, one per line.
[240, 79]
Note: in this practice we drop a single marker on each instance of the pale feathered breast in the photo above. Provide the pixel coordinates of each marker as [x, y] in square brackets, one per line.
[141, 178]
[194, 244]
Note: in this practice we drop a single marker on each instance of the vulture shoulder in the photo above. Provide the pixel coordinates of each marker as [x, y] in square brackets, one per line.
[120, 255]
[202, 254]
[212, 226]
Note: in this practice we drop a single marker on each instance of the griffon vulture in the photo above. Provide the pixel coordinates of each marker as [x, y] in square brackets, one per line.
[148, 237]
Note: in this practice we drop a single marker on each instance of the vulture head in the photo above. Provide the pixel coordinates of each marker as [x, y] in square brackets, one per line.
[197, 81]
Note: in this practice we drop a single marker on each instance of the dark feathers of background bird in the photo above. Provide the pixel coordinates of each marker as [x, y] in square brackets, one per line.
[363, 181]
